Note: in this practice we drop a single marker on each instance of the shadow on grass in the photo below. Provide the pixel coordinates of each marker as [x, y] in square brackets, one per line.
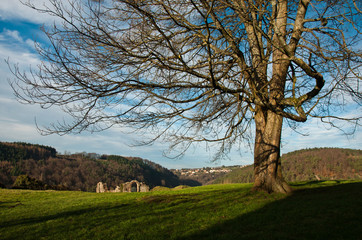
[312, 212]
[315, 183]
[150, 216]
[61, 215]
[333, 212]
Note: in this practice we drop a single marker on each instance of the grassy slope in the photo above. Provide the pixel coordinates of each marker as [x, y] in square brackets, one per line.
[323, 210]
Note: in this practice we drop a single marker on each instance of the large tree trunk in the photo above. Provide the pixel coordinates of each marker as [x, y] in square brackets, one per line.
[267, 166]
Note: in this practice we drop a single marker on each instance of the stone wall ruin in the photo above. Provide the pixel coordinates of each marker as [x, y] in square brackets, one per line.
[132, 186]
[101, 187]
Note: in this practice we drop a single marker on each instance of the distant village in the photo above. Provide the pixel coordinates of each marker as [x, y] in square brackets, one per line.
[206, 170]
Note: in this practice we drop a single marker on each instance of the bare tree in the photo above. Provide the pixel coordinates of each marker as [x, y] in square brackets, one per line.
[200, 70]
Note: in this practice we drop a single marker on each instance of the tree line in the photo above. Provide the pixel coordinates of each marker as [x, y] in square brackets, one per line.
[79, 171]
[21, 150]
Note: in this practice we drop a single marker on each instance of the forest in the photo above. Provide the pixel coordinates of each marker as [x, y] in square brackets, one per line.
[308, 165]
[80, 171]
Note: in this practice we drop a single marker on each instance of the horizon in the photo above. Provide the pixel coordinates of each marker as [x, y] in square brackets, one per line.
[68, 153]
[20, 28]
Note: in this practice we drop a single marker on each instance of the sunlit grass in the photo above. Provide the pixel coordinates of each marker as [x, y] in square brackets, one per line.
[229, 211]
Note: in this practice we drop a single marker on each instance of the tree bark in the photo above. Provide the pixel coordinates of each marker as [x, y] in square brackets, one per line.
[267, 165]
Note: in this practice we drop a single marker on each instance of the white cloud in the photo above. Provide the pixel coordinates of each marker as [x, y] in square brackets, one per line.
[13, 34]
[30, 43]
[17, 55]
[13, 38]
[15, 10]
[17, 131]
[5, 101]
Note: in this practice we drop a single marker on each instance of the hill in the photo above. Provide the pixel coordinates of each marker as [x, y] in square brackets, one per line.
[80, 171]
[324, 210]
[309, 164]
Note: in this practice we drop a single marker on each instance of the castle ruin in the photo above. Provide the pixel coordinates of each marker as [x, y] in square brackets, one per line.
[132, 186]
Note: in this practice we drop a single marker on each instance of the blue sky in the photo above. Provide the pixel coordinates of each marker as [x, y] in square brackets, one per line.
[20, 26]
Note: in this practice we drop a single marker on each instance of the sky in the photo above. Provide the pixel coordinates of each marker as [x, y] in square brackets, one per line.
[20, 27]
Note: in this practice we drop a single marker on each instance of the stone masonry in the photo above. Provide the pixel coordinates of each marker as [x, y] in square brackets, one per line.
[132, 186]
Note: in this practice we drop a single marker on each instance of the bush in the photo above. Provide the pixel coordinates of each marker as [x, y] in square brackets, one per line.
[160, 188]
[26, 182]
[181, 187]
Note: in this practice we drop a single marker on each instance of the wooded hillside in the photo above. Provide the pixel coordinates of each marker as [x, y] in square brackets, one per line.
[80, 171]
[309, 164]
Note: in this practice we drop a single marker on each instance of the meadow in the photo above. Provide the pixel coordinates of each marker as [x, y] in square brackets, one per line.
[315, 210]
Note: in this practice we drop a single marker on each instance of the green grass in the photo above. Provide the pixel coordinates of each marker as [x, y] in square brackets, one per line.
[316, 210]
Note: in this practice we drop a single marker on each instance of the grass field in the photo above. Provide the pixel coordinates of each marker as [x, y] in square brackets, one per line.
[316, 210]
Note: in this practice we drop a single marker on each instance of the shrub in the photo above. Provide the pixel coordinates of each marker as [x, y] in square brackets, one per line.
[26, 182]
[160, 188]
[181, 187]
